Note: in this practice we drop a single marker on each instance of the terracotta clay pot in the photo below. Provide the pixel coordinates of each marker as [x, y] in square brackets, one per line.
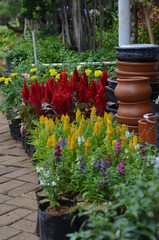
[133, 129]
[133, 89]
[137, 67]
[142, 125]
[150, 134]
[153, 76]
[135, 109]
[127, 120]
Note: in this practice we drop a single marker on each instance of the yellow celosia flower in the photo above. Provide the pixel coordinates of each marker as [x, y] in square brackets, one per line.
[124, 127]
[97, 129]
[93, 115]
[88, 72]
[2, 79]
[78, 115]
[72, 142]
[135, 140]
[33, 77]
[124, 139]
[58, 76]
[42, 132]
[87, 145]
[56, 120]
[53, 72]
[80, 131]
[98, 73]
[114, 143]
[14, 74]
[42, 119]
[130, 144]
[32, 70]
[51, 141]
[49, 124]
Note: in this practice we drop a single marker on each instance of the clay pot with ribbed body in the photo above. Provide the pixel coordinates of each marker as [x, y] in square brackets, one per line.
[133, 89]
[150, 134]
[138, 67]
[142, 125]
[153, 76]
[135, 109]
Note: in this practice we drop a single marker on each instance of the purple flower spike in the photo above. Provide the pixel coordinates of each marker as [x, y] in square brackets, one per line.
[121, 168]
[63, 142]
[117, 146]
[109, 160]
[103, 169]
[46, 167]
[97, 164]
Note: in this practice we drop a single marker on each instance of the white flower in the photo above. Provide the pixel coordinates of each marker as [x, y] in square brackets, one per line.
[80, 140]
[42, 182]
[127, 134]
[53, 183]
[46, 174]
[126, 150]
[39, 169]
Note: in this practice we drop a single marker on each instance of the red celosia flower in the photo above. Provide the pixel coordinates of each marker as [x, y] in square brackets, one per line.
[25, 92]
[35, 97]
[104, 77]
[50, 89]
[42, 89]
[85, 79]
[76, 75]
[100, 101]
[62, 102]
[93, 91]
[83, 92]
[64, 82]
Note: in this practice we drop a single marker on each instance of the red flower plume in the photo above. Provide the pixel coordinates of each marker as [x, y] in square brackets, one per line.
[93, 91]
[104, 77]
[100, 101]
[25, 92]
[35, 97]
[83, 92]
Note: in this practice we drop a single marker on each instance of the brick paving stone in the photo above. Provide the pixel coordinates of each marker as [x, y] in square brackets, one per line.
[15, 152]
[26, 163]
[30, 195]
[17, 173]
[11, 142]
[7, 232]
[5, 208]
[14, 216]
[6, 170]
[3, 179]
[32, 217]
[27, 187]
[3, 129]
[4, 198]
[4, 147]
[23, 202]
[25, 236]
[25, 225]
[11, 160]
[4, 137]
[31, 177]
[4, 187]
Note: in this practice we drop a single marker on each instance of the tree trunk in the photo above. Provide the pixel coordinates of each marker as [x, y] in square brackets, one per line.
[54, 11]
[87, 21]
[133, 21]
[94, 23]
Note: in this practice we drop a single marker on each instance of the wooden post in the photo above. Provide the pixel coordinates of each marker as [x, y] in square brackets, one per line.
[34, 45]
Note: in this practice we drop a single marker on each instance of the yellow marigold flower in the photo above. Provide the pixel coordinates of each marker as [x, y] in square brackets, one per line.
[2, 79]
[51, 141]
[71, 73]
[58, 76]
[14, 74]
[79, 67]
[33, 77]
[42, 119]
[78, 115]
[53, 72]
[7, 80]
[32, 70]
[135, 140]
[98, 73]
[87, 145]
[88, 72]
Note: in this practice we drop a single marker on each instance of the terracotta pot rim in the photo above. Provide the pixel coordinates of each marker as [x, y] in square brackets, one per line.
[134, 103]
[135, 79]
[139, 74]
[136, 64]
[143, 121]
[151, 119]
[127, 117]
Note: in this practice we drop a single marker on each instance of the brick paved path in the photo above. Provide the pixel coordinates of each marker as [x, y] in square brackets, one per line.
[18, 181]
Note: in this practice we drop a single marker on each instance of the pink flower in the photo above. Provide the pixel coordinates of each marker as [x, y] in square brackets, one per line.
[26, 75]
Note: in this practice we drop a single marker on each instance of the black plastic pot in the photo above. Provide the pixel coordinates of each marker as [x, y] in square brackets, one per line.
[111, 95]
[15, 130]
[138, 53]
[56, 227]
[113, 108]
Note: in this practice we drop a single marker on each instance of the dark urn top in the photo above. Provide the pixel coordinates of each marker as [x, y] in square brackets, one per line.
[138, 53]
